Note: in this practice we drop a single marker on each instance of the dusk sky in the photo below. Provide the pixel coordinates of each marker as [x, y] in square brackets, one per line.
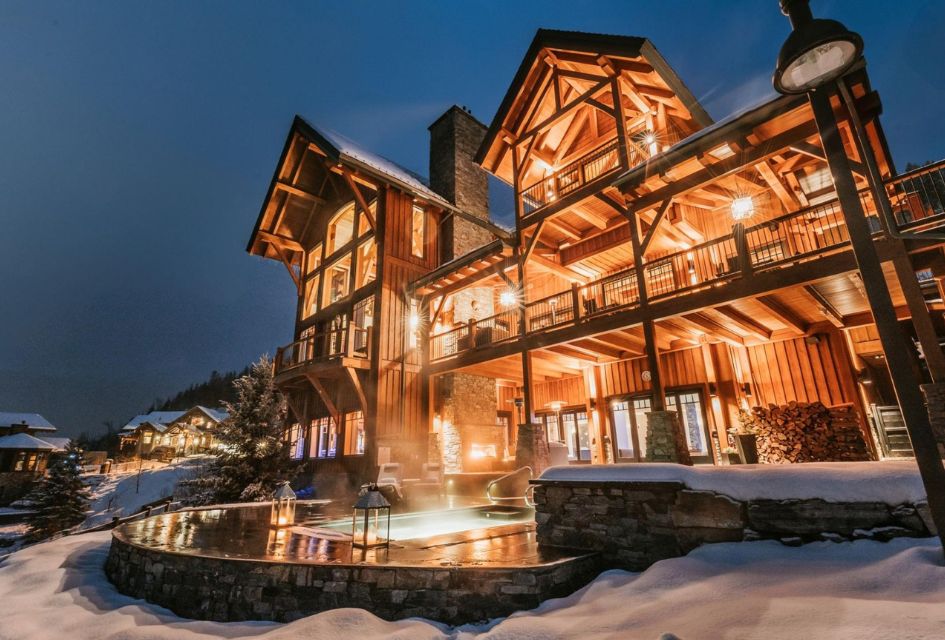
[137, 140]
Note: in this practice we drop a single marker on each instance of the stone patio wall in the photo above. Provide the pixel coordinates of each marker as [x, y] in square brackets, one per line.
[634, 524]
[230, 589]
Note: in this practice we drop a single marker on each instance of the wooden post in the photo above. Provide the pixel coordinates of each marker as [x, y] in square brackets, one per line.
[911, 402]
[653, 363]
[741, 247]
[527, 386]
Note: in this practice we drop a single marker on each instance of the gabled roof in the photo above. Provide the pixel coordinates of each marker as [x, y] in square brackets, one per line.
[25, 442]
[341, 148]
[155, 418]
[602, 44]
[32, 420]
[219, 415]
[61, 444]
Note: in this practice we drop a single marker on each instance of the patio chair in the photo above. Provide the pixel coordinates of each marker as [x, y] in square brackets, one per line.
[391, 474]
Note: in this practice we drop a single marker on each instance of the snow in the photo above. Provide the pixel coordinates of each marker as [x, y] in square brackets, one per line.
[860, 590]
[892, 482]
[155, 417]
[25, 441]
[120, 494]
[33, 420]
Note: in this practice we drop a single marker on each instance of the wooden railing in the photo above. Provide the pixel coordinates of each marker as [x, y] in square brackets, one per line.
[792, 238]
[918, 198]
[570, 178]
[350, 341]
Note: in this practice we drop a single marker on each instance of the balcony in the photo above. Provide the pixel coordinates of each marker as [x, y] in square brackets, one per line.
[918, 198]
[571, 178]
[338, 346]
[800, 236]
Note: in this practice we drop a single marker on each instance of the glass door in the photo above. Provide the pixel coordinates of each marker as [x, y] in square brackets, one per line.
[577, 435]
[691, 410]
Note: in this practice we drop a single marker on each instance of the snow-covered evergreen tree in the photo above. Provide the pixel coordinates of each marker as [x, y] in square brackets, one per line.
[253, 457]
[61, 498]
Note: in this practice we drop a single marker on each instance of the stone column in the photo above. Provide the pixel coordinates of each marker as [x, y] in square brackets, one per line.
[665, 441]
[935, 404]
[532, 448]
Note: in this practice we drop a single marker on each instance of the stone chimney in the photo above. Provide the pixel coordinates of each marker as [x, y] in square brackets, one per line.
[455, 138]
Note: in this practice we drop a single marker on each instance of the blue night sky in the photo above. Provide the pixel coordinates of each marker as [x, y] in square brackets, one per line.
[137, 140]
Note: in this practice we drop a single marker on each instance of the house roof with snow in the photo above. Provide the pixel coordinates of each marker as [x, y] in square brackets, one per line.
[155, 417]
[25, 442]
[61, 444]
[34, 421]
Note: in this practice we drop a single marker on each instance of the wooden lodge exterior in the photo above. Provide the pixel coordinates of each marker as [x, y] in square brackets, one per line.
[660, 261]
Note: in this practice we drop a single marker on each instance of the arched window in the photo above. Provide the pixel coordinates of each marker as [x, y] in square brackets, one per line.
[340, 229]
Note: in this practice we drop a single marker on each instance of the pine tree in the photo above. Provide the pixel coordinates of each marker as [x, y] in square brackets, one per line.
[60, 499]
[253, 456]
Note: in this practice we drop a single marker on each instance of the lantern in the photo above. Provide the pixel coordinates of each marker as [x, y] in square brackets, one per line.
[370, 524]
[283, 507]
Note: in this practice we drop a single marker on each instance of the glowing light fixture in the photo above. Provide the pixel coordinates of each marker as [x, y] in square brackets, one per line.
[507, 298]
[414, 321]
[649, 137]
[283, 507]
[742, 208]
[369, 527]
[816, 52]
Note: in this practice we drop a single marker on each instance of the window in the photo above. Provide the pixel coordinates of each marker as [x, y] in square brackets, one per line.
[313, 259]
[354, 433]
[340, 229]
[629, 420]
[310, 302]
[570, 428]
[325, 437]
[692, 420]
[363, 225]
[418, 232]
[337, 281]
[363, 321]
[367, 263]
[296, 442]
[146, 437]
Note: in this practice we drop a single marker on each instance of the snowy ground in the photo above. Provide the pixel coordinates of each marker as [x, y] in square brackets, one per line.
[122, 494]
[861, 590]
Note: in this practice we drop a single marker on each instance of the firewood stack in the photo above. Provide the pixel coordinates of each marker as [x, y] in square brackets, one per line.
[807, 432]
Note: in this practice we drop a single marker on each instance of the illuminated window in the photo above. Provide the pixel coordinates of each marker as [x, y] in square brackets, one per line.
[367, 263]
[146, 437]
[310, 303]
[337, 281]
[340, 229]
[363, 225]
[362, 320]
[418, 232]
[325, 438]
[296, 442]
[313, 259]
[354, 433]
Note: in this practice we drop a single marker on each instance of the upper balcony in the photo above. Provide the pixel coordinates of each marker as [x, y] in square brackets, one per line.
[347, 346]
[807, 235]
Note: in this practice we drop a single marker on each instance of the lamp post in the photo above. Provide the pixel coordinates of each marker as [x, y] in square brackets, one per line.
[815, 55]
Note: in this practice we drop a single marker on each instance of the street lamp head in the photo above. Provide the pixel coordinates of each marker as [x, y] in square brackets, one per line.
[816, 52]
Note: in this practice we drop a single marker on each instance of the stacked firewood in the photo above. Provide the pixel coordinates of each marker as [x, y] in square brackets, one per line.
[807, 432]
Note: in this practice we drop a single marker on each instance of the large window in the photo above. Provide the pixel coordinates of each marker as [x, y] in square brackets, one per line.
[629, 420]
[418, 232]
[367, 263]
[296, 442]
[354, 433]
[340, 229]
[337, 281]
[325, 438]
[313, 259]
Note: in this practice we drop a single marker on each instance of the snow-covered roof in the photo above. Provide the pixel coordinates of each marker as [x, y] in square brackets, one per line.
[352, 151]
[61, 444]
[24, 441]
[32, 420]
[155, 418]
[217, 414]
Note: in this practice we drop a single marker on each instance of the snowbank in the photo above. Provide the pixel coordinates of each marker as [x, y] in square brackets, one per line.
[846, 591]
[892, 482]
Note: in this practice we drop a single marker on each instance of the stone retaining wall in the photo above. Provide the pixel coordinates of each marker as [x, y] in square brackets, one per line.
[229, 589]
[634, 524]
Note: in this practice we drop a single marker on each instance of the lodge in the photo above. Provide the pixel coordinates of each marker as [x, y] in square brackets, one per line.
[171, 433]
[670, 280]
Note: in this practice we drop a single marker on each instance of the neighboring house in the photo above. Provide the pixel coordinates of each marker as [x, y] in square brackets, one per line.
[665, 273]
[186, 432]
[26, 444]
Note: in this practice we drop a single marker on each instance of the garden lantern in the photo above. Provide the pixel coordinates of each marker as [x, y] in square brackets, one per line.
[283, 507]
[370, 524]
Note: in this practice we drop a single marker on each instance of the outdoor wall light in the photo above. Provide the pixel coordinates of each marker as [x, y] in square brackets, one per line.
[816, 52]
[507, 298]
[742, 208]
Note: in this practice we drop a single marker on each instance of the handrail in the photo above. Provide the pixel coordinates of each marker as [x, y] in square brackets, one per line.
[576, 174]
[348, 341]
[501, 479]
